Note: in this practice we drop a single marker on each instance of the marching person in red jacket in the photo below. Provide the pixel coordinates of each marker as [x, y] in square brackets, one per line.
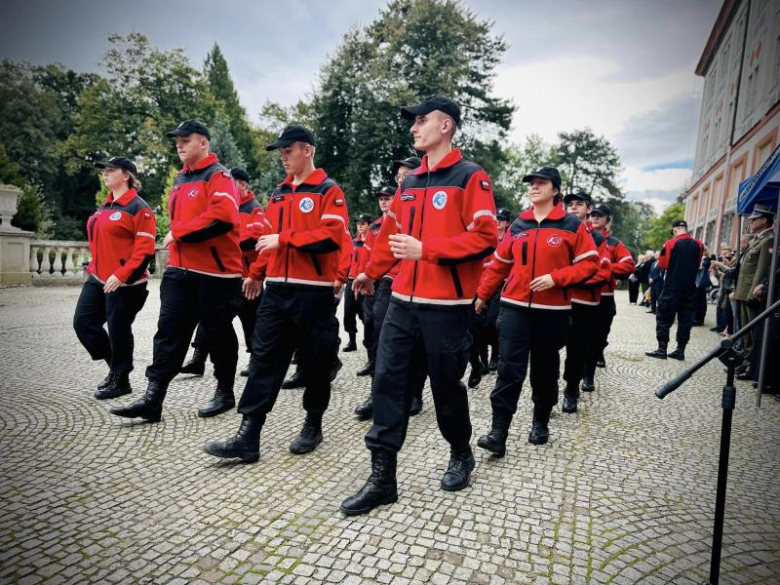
[622, 266]
[121, 242]
[353, 307]
[251, 227]
[300, 261]
[202, 281]
[545, 252]
[441, 225]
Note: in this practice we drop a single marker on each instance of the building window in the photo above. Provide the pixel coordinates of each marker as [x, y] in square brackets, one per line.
[727, 228]
[710, 237]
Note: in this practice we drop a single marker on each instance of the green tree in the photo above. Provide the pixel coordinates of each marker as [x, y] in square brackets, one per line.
[224, 145]
[521, 160]
[659, 229]
[161, 209]
[588, 162]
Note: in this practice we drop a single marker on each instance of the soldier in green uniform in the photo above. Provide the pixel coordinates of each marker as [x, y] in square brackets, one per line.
[753, 271]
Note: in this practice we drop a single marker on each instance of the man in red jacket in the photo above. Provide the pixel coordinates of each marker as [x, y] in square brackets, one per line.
[202, 282]
[300, 260]
[441, 225]
[353, 307]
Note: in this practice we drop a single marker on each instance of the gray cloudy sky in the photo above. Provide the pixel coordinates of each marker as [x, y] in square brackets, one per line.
[622, 67]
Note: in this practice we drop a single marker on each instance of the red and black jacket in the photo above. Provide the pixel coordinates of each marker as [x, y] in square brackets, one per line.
[121, 239]
[251, 226]
[203, 207]
[559, 245]
[622, 263]
[359, 255]
[311, 220]
[680, 258]
[373, 232]
[450, 209]
[589, 292]
[345, 256]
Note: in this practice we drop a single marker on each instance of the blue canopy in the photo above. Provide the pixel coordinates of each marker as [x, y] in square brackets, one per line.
[763, 187]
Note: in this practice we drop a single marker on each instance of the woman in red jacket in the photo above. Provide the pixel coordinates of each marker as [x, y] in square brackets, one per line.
[121, 237]
[544, 251]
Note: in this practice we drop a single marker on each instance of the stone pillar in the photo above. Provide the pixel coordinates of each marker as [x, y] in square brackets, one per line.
[14, 243]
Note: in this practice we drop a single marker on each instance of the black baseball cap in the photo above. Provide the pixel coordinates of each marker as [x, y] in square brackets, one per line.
[578, 196]
[118, 162]
[364, 217]
[547, 173]
[601, 209]
[680, 223]
[290, 135]
[412, 163]
[438, 102]
[503, 214]
[190, 127]
[386, 192]
[239, 174]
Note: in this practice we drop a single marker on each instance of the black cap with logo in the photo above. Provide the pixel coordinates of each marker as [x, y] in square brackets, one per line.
[503, 214]
[386, 192]
[578, 196]
[601, 209]
[118, 162]
[240, 174]
[190, 127]
[364, 217]
[412, 163]
[680, 223]
[438, 102]
[546, 173]
[290, 135]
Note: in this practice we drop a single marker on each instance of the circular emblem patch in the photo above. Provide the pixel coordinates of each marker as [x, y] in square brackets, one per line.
[193, 193]
[440, 199]
[116, 216]
[554, 240]
[306, 205]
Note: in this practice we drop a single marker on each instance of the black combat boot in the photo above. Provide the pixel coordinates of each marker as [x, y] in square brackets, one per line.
[197, 365]
[601, 362]
[310, 436]
[367, 369]
[570, 396]
[540, 432]
[222, 402]
[352, 345]
[118, 385]
[678, 354]
[659, 353]
[495, 440]
[417, 405]
[587, 384]
[148, 407]
[245, 445]
[365, 410]
[459, 469]
[334, 369]
[380, 489]
[297, 380]
[475, 377]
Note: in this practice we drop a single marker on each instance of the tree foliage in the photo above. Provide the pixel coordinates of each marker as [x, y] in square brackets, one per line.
[659, 228]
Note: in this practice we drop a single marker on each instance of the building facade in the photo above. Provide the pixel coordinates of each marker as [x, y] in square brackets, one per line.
[740, 115]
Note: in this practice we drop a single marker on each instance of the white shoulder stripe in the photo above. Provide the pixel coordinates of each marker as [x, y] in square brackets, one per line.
[332, 216]
[585, 255]
[504, 260]
[145, 234]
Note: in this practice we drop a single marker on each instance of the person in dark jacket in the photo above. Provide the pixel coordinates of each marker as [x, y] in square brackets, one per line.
[680, 258]
[656, 281]
[634, 280]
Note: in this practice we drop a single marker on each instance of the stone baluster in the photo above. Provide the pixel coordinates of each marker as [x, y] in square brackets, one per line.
[57, 262]
[46, 263]
[82, 255]
[34, 261]
[69, 272]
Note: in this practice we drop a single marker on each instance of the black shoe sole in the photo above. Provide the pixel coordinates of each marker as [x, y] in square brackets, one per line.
[497, 453]
[308, 450]
[460, 486]
[244, 373]
[569, 410]
[473, 383]
[210, 413]
[538, 441]
[245, 456]
[658, 357]
[106, 396]
[147, 418]
[672, 357]
[188, 373]
[385, 501]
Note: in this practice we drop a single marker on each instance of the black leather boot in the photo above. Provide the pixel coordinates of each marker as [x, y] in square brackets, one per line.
[416, 407]
[367, 369]
[659, 353]
[601, 362]
[587, 384]
[380, 489]
[365, 410]
[570, 396]
[197, 365]
[352, 345]
[118, 385]
[297, 380]
[678, 354]
[334, 369]
[222, 402]
[475, 377]
[495, 440]
[245, 445]
[148, 407]
[540, 432]
[459, 469]
[245, 372]
[310, 436]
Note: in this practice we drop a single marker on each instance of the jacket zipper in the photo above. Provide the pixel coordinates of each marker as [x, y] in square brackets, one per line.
[173, 216]
[533, 260]
[422, 217]
[279, 231]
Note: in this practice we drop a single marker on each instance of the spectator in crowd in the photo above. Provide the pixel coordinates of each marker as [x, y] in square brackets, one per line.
[634, 280]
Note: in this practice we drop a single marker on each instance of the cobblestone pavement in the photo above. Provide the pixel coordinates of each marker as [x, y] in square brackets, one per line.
[624, 493]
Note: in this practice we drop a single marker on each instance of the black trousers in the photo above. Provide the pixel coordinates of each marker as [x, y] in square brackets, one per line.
[655, 294]
[701, 306]
[247, 314]
[522, 332]
[633, 291]
[290, 318]
[188, 298]
[412, 338]
[605, 314]
[580, 349]
[671, 304]
[353, 308]
[368, 327]
[117, 310]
